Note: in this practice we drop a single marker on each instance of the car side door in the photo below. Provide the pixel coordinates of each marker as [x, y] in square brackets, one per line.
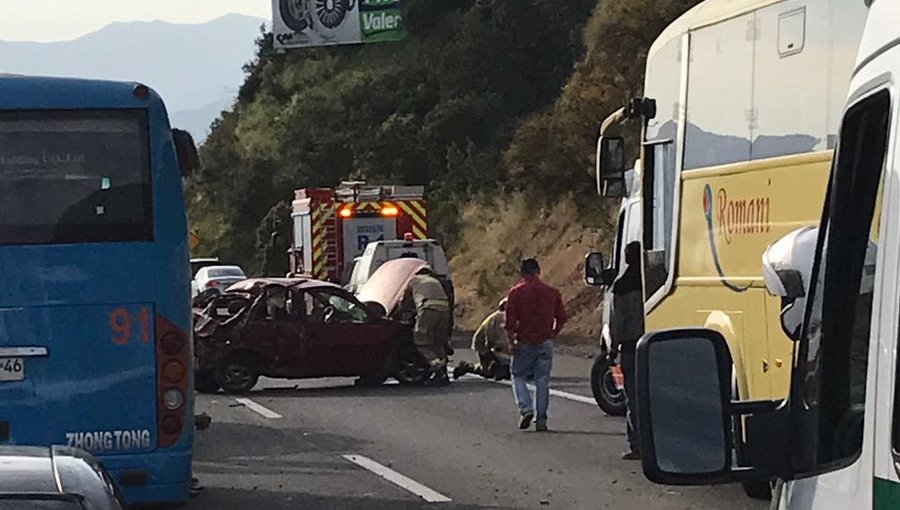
[279, 335]
[344, 338]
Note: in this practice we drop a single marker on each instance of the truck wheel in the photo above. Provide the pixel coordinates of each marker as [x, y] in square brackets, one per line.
[761, 491]
[237, 376]
[205, 382]
[412, 369]
[603, 385]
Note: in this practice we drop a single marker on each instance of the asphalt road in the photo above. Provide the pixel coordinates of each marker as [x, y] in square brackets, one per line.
[326, 444]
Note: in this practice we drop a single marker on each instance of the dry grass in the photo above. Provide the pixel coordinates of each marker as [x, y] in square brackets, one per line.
[498, 235]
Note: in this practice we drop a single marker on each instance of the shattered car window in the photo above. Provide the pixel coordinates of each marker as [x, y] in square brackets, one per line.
[328, 307]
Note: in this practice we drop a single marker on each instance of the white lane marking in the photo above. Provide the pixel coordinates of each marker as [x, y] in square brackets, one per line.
[253, 406]
[397, 479]
[556, 393]
[562, 394]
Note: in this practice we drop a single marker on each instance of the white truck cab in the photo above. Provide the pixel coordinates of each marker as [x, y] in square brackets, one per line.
[606, 381]
[379, 252]
[628, 229]
[834, 443]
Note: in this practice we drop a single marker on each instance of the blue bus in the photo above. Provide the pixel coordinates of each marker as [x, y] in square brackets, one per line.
[95, 346]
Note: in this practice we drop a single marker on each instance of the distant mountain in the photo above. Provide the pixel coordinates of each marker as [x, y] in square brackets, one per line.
[197, 120]
[196, 68]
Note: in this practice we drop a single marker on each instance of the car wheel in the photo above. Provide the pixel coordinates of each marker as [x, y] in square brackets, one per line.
[607, 394]
[205, 382]
[237, 376]
[412, 369]
[761, 491]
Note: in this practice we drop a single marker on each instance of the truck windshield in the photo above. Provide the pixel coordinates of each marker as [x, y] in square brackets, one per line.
[74, 177]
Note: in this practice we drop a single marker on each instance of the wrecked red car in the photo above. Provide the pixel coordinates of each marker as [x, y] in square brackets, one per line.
[297, 328]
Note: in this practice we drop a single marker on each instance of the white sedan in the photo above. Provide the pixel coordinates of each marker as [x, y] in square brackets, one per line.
[216, 277]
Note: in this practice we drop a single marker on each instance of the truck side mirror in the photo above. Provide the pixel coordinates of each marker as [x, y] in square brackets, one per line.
[186, 152]
[684, 407]
[596, 274]
[611, 166]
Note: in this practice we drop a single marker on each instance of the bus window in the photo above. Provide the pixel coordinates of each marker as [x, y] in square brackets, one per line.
[74, 177]
[833, 355]
[721, 73]
[659, 180]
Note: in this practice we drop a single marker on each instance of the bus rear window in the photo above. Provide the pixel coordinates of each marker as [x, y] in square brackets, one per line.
[74, 177]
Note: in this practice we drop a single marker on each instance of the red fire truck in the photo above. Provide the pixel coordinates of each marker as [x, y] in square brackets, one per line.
[332, 226]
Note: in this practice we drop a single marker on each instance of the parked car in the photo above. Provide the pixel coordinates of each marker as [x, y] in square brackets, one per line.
[380, 252]
[200, 263]
[216, 277]
[55, 478]
[296, 328]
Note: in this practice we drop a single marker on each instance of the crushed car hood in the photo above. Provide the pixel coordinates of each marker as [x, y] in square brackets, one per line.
[388, 283]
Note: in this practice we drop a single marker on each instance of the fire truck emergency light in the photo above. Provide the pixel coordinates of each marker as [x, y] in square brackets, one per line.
[346, 212]
[390, 212]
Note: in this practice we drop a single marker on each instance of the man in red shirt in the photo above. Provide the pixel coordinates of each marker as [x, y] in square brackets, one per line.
[535, 314]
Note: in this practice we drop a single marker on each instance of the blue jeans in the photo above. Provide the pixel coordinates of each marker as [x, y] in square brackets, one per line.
[533, 362]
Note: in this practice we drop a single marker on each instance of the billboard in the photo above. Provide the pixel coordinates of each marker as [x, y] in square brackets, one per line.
[308, 23]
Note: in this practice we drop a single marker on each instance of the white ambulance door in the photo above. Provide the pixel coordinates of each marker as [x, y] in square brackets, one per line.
[886, 493]
[852, 311]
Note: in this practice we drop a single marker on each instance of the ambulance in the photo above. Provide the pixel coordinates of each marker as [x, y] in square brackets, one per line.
[834, 442]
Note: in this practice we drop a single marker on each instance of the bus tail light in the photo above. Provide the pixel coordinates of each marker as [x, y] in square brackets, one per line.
[173, 399]
[170, 426]
[172, 343]
[173, 356]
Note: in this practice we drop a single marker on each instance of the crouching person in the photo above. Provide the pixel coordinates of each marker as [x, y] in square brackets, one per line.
[492, 346]
[432, 329]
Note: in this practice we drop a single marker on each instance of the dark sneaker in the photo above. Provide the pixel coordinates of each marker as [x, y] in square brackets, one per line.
[525, 421]
[631, 455]
[439, 379]
[541, 427]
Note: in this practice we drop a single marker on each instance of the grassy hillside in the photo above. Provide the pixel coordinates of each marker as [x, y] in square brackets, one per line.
[549, 208]
[493, 104]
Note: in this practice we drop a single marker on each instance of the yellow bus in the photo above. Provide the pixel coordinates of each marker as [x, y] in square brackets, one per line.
[741, 110]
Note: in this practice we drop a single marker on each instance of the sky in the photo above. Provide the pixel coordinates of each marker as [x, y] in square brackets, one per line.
[61, 20]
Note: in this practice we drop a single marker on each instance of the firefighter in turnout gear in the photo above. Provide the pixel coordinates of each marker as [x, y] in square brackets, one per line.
[432, 329]
[492, 346]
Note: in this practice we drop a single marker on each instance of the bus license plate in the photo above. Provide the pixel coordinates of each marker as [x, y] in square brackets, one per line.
[12, 369]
